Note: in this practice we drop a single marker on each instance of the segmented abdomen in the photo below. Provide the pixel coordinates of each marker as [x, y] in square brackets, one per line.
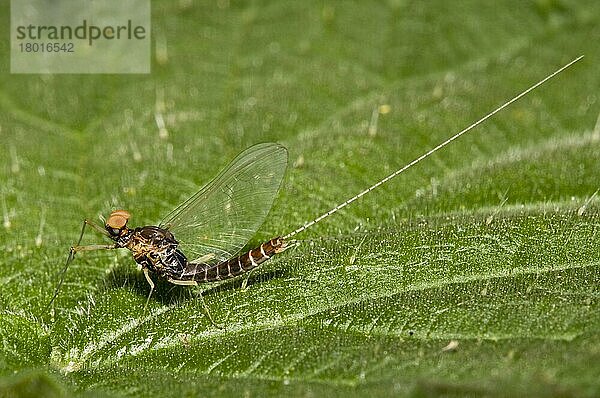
[244, 263]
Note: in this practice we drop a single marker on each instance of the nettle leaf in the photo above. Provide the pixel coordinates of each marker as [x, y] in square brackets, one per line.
[474, 273]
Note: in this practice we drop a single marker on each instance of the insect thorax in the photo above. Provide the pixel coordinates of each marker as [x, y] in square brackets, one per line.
[155, 248]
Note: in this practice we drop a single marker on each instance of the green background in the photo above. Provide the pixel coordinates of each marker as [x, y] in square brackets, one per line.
[475, 273]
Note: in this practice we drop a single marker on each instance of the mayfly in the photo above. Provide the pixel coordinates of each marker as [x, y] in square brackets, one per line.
[200, 240]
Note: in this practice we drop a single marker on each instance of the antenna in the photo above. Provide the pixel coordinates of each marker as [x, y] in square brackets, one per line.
[430, 152]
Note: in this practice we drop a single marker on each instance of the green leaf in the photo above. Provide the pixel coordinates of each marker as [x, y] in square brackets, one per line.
[474, 273]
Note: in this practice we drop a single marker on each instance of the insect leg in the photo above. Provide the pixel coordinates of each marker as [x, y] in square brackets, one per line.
[208, 313]
[245, 281]
[147, 275]
[75, 249]
[194, 283]
[62, 277]
[92, 224]
[182, 283]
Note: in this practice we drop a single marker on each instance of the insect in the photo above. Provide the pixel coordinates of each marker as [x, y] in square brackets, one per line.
[200, 240]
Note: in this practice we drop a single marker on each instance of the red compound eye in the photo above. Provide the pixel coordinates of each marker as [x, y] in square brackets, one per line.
[118, 219]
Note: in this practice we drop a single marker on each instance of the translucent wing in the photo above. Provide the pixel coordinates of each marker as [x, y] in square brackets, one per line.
[216, 222]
